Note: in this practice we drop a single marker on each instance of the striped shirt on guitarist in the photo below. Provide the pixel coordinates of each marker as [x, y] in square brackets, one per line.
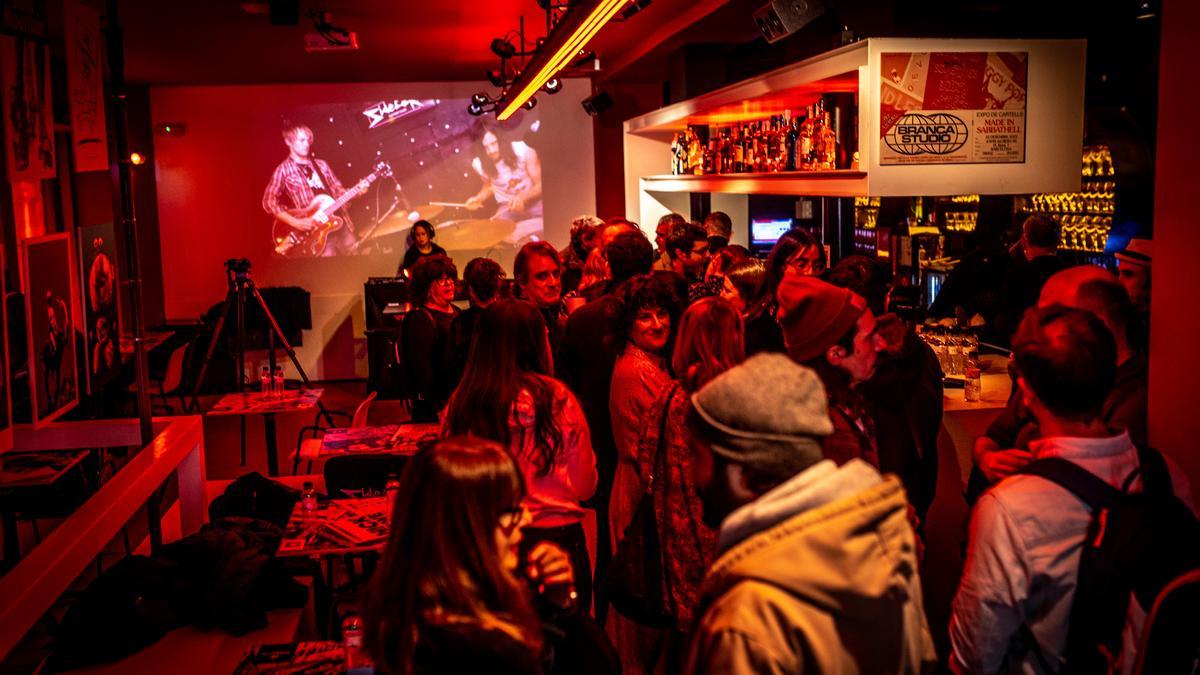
[299, 179]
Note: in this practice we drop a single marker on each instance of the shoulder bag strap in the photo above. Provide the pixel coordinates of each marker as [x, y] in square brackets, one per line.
[1152, 467]
[657, 466]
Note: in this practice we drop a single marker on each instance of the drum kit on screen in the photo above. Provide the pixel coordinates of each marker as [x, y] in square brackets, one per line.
[465, 233]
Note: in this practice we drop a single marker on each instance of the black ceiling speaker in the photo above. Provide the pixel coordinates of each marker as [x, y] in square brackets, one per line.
[285, 12]
[780, 18]
[597, 103]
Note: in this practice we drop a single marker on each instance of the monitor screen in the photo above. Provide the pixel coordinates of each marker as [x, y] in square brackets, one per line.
[765, 232]
[933, 285]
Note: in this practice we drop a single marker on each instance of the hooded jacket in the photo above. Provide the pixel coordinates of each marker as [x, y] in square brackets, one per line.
[818, 575]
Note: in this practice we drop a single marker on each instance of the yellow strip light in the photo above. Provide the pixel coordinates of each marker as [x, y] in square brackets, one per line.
[587, 29]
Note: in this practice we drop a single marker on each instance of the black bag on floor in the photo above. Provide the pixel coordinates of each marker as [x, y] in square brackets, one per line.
[129, 607]
[1137, 543]
[255, 496]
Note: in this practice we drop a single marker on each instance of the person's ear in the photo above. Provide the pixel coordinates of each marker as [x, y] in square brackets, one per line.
[739, 483]
[1028, 398]
[835, 355]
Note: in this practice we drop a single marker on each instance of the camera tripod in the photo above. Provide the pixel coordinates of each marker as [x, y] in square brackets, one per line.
[237, 274]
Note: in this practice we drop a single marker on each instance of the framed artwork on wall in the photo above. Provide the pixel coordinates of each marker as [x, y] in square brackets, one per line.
[52, 331]
[101, 315]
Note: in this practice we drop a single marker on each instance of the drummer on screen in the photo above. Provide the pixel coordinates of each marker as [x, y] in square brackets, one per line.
[512, 175]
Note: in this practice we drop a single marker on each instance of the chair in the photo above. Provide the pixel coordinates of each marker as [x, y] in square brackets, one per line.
[172, 381]
[310, 448]
[1170, 642]
[169, 381]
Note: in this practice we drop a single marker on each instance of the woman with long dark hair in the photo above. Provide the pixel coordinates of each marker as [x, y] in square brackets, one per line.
[796, 252]
[507, 395]
[454, 592]
[420, 245]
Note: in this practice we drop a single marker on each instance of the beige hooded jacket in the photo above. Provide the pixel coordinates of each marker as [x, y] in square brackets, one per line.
[817, 576]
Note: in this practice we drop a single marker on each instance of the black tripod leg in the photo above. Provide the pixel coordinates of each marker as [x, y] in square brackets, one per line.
[287, 347]
[212, 346]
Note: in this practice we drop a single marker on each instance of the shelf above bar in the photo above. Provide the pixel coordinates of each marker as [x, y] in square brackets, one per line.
[814, 183]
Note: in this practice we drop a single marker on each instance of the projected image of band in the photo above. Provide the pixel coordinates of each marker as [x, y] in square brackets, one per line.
[354, 179]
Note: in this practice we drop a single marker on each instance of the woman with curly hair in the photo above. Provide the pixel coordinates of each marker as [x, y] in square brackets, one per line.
[643, 320]
[507, 395]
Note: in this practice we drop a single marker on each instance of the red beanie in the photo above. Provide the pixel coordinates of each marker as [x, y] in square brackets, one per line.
[814, 315]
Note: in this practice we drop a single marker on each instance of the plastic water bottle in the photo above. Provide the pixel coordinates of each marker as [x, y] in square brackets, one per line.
[973, 386]
[308, 498]
[278, 383]
[391, 490]
[352, 640]
[265, 377]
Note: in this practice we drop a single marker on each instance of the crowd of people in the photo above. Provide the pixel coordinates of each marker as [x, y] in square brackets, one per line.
[757, 439]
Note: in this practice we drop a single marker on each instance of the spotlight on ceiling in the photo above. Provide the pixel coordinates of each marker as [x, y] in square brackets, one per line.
[496, 77]
[552, 86]
[597, 103]
[528, 105]
[475, 109]
[503, 48]
[479, 99]
[1146, 9]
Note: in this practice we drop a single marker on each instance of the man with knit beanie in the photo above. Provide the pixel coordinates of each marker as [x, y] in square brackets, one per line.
[831, 330]
[817, 569]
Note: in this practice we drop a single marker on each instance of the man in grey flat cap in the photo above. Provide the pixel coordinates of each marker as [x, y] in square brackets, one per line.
[818, 567]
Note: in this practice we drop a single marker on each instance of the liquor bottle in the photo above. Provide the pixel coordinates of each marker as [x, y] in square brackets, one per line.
[827, 145]
[676, 154]
[751, 149]
[726, 151]
[805, 146]
[739, 150]
[816, 154]
[781, 142]
[790, 138]
[710, 157]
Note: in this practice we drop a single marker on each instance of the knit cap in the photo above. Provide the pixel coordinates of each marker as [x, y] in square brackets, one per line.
[765, 411]
[814, 315]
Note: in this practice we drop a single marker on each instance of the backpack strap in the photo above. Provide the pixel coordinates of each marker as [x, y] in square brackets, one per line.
[1079, 481]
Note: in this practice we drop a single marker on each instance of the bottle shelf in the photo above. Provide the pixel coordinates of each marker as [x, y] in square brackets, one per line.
[837, 183]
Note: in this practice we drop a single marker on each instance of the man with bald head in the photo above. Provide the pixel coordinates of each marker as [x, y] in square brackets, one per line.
[1004, 448]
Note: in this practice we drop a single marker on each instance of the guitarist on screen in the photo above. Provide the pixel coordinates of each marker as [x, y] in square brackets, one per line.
[297, 181]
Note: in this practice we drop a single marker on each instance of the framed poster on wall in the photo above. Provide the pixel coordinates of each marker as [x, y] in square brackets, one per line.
[952, 107]
[101, 315]
[52, 305]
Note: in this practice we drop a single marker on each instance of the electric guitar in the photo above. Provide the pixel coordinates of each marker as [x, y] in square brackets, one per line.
[294, 242]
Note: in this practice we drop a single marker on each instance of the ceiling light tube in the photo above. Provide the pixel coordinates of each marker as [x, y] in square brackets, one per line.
[582, 33]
